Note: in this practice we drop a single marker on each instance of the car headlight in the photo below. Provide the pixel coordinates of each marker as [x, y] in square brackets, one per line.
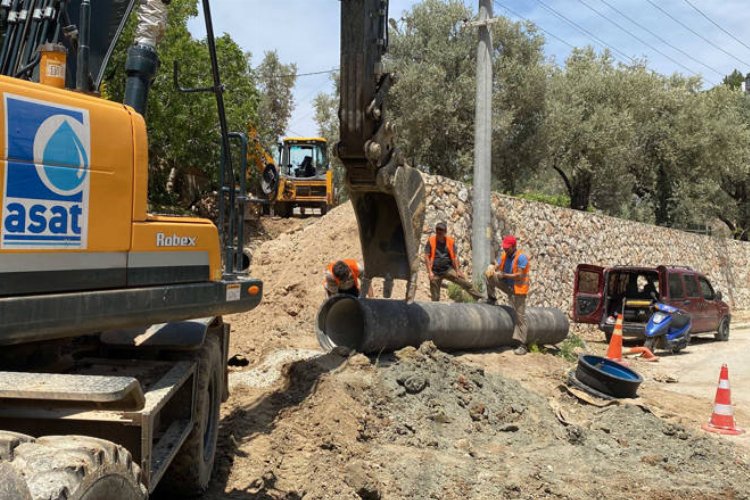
[658, 317]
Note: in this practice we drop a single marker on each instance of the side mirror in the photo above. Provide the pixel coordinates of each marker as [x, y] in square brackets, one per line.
[719, 296]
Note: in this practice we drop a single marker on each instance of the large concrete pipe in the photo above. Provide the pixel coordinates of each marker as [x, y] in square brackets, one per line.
[374, 325]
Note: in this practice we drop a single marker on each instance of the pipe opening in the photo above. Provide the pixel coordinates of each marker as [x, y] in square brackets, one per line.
[342, 323]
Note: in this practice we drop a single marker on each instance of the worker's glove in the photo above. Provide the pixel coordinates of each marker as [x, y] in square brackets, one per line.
[490, 271]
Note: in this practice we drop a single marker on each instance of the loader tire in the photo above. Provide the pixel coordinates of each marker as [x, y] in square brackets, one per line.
[69, 467]
[190, 472]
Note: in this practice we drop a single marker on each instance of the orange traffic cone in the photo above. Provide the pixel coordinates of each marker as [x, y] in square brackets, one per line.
[614, 351]
[644, 352]
[722, 418]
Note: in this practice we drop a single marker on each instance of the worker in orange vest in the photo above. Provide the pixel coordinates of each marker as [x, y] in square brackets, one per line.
[343, 276]
[511, 275]
[442, 263]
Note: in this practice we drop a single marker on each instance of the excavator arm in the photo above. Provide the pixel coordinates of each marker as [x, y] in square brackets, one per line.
[387, 195]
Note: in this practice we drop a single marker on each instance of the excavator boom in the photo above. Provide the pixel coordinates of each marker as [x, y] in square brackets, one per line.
[387, 195]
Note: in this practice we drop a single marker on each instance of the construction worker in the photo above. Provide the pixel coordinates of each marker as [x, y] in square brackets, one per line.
[342, 276]
[511, 275]
[442, 263]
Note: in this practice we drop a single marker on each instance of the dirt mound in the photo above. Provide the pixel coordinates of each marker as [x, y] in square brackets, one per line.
[424, 424]
[291, 266]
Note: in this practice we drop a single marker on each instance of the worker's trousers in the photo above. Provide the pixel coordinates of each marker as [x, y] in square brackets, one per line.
[451, 275]
[517, 302]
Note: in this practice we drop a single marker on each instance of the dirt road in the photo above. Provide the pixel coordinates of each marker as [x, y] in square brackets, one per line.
[697, 369]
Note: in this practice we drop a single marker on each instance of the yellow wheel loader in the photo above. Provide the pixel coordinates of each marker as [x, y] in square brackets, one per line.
[112, 344]
[299, 175]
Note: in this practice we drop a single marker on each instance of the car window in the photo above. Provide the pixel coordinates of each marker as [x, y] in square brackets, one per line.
[693, 290]
[675, 287]
[706, 288]
[588, 282]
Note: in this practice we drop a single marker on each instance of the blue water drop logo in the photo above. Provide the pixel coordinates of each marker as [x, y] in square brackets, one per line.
[61, 157]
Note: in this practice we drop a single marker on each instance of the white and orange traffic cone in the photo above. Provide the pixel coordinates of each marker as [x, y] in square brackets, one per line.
[614, 351]
[722, 418]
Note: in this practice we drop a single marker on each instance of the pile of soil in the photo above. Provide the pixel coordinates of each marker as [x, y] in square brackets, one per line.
[291, 260]
[420, 423]
[424, 424]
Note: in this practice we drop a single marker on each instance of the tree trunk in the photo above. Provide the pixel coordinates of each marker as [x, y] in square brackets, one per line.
[663, 209]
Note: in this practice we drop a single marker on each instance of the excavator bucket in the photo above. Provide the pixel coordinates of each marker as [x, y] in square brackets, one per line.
[387, 195]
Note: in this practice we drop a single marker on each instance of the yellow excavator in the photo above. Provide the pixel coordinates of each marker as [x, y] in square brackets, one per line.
[298, 176]
[113, 348]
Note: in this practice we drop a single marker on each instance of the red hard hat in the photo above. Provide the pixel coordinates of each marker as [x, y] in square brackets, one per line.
[508, 242]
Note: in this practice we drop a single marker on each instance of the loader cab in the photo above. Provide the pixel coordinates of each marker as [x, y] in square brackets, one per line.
[305, 176]
[303, 158]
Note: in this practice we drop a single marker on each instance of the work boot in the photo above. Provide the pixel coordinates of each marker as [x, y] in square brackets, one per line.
[521, 350]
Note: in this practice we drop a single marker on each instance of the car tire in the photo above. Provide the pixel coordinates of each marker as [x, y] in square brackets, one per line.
[722, 334]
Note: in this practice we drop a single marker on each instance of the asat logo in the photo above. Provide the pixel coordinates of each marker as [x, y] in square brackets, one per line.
[47, 179]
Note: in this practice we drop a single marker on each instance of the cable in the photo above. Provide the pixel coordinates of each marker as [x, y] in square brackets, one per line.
[691, 30]
[716, 24]
[662, 40]
[641, 40]
[535, 24]
[584, 31]
[297, 75]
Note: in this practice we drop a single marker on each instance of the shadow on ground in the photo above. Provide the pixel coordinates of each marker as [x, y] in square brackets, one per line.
[243, 423]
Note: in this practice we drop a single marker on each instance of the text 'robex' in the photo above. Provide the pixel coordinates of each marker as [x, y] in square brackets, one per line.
[162, 240]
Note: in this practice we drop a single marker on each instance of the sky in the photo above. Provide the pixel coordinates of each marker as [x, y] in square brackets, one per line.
[676, 38]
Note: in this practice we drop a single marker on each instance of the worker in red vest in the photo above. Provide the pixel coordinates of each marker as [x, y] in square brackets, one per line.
[442, 263]
[343, 276]
[511, 275]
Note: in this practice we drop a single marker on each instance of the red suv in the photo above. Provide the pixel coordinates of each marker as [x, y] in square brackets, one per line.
[600, 293]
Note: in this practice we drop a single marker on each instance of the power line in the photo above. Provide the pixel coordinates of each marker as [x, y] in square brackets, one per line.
[627, 32]
[507, 9]
[297, 75]
[584, 30]
[662, 40]
[691, 30]
[716, 24]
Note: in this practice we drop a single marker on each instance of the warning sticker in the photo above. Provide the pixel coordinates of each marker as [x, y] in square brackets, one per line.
[233, 292]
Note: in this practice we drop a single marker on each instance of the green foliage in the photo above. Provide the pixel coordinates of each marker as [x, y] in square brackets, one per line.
[567, 348]
[458, 294]
[184, 128]
[734, 80]
[558, 200]
[433, 101]
[276, 83]
[326, 116]
[590, 134]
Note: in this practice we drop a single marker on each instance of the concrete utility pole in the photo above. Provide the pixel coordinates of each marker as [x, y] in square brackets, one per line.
[481, 229]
